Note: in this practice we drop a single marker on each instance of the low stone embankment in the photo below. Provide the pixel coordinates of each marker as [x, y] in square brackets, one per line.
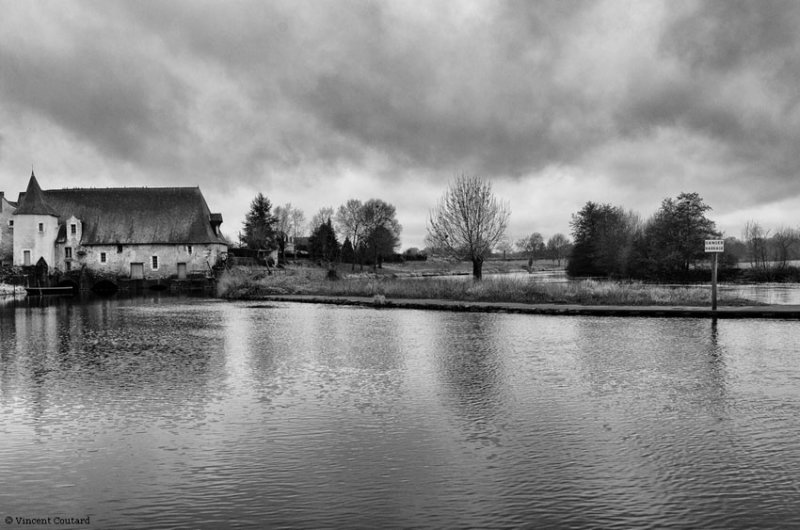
[768, 311]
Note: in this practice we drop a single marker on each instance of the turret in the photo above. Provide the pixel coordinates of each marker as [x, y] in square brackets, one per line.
[35, 227]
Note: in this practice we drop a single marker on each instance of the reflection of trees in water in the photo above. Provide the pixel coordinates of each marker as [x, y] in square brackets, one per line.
[471, 374]
[328, 354]
[359, 358]
[362, 339]
[677, 361]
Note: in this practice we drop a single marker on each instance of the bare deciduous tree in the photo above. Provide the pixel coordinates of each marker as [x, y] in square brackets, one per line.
[756, 239]
[505, 247]
[531, 245]
[321, 217]
[350, 224]
[287, 225]
[298, 220]
[783, 241]
[468, 221]
[558, 246]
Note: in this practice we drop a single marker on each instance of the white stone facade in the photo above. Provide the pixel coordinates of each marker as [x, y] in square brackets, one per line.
[34, 238]
[157, 261]
[6, 232]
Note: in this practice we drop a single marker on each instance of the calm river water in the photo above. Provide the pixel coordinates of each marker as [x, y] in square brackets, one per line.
[196, 413]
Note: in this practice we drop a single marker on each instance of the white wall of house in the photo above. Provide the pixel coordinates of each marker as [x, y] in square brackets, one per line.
[116, 260]
[28, 237]
[6, 232]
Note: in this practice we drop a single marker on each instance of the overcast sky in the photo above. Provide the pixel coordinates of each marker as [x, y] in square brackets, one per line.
[316, 102]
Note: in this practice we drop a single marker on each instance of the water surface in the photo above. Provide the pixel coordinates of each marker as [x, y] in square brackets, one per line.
[192, 413]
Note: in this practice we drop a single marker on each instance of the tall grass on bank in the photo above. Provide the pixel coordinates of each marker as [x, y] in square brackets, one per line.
[240, 285]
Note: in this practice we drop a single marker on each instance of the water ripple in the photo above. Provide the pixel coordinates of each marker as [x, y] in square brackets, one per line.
[196, 414]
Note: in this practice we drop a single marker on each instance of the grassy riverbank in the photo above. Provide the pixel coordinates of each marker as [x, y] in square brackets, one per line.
[252, 284]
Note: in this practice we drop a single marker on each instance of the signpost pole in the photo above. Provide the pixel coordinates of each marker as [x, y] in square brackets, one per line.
[714, 283]
[715, 246]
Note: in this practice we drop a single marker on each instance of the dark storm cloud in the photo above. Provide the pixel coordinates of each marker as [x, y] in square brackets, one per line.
[641, 97]
[445, 96]
[735, 82]
[724, 35]
[98, 88]
[435, 92]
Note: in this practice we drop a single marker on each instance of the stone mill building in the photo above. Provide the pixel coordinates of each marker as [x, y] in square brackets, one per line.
[115, 233]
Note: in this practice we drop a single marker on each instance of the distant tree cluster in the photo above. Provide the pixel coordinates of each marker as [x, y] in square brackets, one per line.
[534, 247]
[768, 255]
[611, 242]
[371, 231]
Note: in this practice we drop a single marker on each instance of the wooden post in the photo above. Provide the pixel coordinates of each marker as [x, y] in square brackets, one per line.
[714, 283]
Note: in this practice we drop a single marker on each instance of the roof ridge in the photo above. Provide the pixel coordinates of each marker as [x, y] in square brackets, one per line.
[127, 188]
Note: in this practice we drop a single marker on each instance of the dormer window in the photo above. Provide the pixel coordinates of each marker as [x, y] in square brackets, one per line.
[73, 229]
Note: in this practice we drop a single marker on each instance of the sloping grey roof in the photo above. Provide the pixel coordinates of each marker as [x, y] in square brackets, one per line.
[130, 216]
[33, 202]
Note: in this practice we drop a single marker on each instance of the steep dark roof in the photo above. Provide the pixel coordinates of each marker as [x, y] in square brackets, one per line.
[34, 202]
[129, 216]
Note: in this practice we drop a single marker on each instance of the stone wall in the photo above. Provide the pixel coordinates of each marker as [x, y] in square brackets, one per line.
[6, 233]
[113, 260]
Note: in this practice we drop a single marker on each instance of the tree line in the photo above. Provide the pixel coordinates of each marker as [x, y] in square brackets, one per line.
[669, 246]
[370, 229]
[612, 242]
[469, 223]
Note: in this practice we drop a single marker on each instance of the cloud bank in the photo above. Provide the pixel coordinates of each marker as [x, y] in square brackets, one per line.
[314, 102]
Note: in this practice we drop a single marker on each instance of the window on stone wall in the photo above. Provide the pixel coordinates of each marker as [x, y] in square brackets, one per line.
[119, 249]
[189, 249]
[26, 258]
[41, 227]
[68, 252]
[68, 266]
[11, 223]
[102, 257]
[73, 229]
[155, 262]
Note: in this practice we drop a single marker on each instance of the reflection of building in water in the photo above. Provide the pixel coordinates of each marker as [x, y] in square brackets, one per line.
[104, 356]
